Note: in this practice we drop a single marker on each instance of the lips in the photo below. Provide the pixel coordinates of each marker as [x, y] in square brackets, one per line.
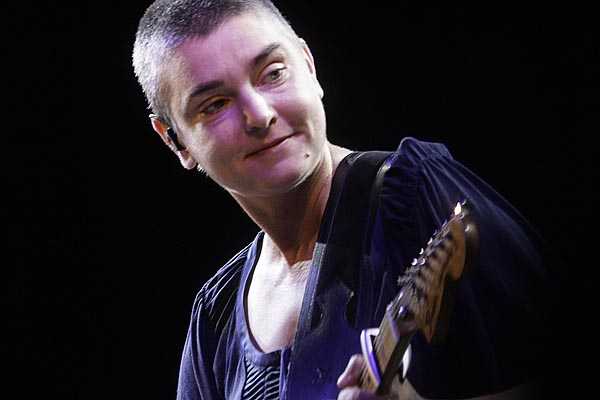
[267, 146]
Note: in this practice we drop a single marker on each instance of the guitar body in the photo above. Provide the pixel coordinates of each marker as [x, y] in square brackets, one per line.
[317, 377]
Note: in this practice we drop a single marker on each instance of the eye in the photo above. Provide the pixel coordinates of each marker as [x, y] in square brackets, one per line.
[275, 75]
[214, 107]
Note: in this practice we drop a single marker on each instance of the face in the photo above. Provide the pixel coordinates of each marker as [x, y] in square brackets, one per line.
[247, 106]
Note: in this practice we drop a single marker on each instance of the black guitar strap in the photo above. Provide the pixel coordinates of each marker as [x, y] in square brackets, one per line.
[348, 220]
[332, 315]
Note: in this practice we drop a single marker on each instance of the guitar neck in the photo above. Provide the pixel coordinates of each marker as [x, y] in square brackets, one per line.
[389, 346]
[425, 298]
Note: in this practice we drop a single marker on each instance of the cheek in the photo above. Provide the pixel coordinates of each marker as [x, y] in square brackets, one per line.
[304, 106]
[212, 147]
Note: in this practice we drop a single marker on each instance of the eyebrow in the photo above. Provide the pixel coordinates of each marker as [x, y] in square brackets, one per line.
[203, 88]
[265, 53]
[212, 85]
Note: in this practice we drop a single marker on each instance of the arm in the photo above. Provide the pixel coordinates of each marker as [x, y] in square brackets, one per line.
[196, 377]
[496, 333]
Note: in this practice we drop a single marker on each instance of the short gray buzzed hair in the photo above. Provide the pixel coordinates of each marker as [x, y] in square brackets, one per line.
[166, 24]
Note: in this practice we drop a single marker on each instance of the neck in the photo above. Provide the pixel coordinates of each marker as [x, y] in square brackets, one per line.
[291, 220]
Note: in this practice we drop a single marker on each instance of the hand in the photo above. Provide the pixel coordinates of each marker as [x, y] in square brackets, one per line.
[348, 382]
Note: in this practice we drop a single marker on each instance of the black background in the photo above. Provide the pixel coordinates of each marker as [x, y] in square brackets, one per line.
[109, 238]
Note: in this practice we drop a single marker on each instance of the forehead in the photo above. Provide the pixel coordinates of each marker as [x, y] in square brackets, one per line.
[239, 31]
[227, 50]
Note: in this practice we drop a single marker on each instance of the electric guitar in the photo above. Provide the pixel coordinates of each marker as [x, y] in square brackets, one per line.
[423, 303]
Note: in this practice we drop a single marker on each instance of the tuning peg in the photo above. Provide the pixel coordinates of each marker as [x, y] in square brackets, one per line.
[414, 262]
[457, 210]
[401, 311]
[429, 241]
[464, 209]
[421, 252]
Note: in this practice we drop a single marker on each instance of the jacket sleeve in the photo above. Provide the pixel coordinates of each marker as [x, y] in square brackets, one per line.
[499, 327]
[196, 376]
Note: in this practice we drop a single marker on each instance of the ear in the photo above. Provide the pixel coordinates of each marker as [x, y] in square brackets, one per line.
[310, 61]
[186, 160]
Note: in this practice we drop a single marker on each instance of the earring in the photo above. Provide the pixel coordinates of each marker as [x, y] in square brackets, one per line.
[171, 133]
[174, 139]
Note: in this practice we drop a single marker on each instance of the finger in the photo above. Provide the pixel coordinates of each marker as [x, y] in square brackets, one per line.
[351, 374]
[354, 393]
[351, 393]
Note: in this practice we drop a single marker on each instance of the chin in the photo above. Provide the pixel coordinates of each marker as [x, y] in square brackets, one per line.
[281, 182]
[280, 179]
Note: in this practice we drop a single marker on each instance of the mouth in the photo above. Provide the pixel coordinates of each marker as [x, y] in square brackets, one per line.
[270, 145]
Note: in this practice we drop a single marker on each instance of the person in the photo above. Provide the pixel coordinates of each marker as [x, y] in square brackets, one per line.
[235, 95]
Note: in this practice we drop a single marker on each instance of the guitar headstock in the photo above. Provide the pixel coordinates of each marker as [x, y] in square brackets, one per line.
[439, 265]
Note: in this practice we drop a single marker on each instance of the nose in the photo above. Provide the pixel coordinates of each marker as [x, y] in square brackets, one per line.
[258, 114]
